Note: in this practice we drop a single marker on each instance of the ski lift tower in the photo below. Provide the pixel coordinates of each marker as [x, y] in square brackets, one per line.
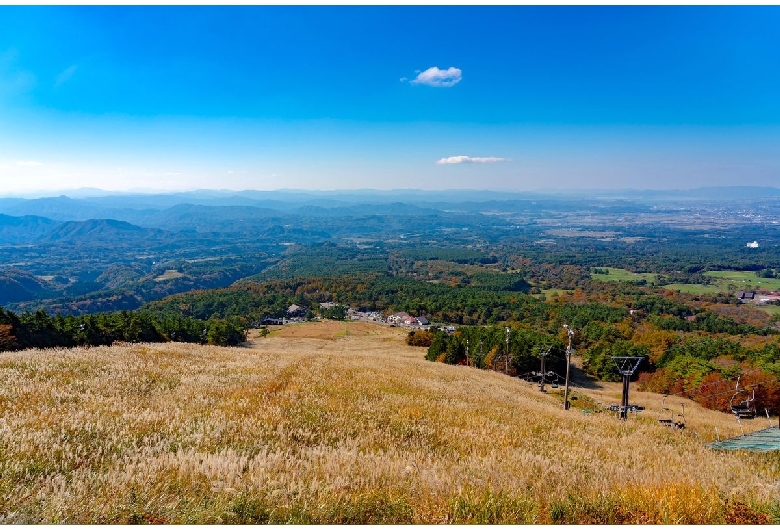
[570, 332]
[506, 353]
[626, 366]
[543, 353]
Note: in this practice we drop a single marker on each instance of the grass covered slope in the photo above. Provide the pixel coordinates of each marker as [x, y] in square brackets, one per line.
[338, 423]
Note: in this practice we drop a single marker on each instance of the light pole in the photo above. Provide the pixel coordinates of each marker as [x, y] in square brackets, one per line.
[570, 332]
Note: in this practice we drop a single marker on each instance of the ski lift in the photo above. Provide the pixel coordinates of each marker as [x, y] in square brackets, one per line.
[554, 383]
[665, 415]
[743, 403]
[668, 418]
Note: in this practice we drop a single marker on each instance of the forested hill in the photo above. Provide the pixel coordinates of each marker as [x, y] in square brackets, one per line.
[685, 347]
[14, 230]
[97, 230]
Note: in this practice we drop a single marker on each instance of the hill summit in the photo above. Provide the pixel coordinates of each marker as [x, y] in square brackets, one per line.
[342, 423]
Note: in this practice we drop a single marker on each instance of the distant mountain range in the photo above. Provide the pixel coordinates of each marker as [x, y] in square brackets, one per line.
[135, 208]
[101, 216]
[97, 230]
[290, 199]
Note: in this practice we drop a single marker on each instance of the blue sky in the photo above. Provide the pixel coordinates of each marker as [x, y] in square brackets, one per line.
[507, 98]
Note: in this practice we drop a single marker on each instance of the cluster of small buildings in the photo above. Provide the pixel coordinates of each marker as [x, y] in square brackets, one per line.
[296, 313]
[400, 319]
[405, 319]
[758, 297]
[367, 316]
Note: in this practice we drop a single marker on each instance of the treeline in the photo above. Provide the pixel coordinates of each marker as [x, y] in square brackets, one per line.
[702, 368]
[468, 304]
[699, 365]
[462, 304]
[41, 330]
[481, 347]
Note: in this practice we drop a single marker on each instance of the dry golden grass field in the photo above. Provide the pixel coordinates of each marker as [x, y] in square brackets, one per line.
[345, 423]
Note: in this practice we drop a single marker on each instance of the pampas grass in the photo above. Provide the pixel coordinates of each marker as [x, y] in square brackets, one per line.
[351, 427]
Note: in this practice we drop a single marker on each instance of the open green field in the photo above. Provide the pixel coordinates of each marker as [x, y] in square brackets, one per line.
[623, 275]
[695, 288]
[551, 293]
[769, 308]
[343, 423]
[723, 281]
[744, 280]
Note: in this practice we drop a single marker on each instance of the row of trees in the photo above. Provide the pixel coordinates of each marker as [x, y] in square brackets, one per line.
[701, 368]
[41, 330]
[481, 347]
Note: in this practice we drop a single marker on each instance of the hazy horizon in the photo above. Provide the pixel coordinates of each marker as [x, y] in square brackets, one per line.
[478, 193]
[509, 98]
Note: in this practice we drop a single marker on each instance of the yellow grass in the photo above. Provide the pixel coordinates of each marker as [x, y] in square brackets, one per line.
[343, 423]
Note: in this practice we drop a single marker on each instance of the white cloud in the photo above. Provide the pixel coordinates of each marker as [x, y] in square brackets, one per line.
[438, 78]
[28, 163]
[65, 75]
[462, 159]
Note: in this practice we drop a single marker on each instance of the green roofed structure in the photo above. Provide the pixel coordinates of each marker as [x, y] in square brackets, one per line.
[763, 440]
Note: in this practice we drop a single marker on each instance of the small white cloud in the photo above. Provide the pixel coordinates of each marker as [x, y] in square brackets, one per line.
[65, 75]
[403, 80]
[438, 78]
[28, 163]
[462, 159]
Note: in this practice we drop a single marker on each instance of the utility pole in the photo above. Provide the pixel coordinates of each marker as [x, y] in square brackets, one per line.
[468, 359]
[570, 332]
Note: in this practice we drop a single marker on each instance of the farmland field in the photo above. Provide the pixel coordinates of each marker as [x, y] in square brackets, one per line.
[623, 275]
[724, 280]
[695, 288]
[340, 423]
[744, 280]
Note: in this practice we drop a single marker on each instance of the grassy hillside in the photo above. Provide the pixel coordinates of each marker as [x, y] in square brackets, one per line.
[344, 423]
